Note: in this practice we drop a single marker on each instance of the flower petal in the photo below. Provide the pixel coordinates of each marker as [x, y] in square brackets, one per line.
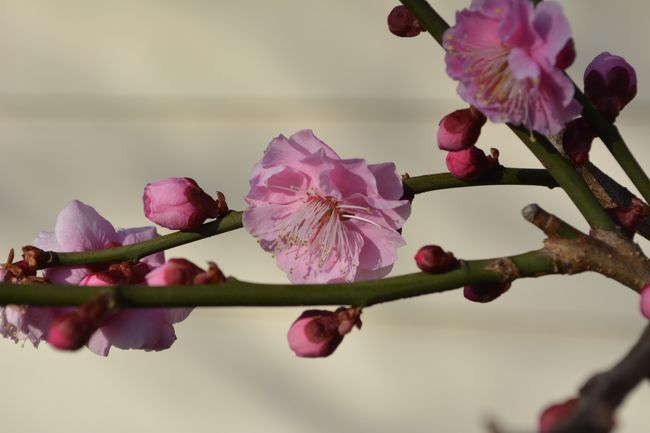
[80, 227]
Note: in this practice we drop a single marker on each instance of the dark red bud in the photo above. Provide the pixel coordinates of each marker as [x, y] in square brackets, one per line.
[556, 414]
[433, 259]
[401, 22]
[576, 141]
[566, 56]
[485, 292]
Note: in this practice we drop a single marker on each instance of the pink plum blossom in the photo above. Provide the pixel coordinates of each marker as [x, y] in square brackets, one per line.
[178, 203]
[173, 272]
[324, 218]
[508, 56]
[80, 228]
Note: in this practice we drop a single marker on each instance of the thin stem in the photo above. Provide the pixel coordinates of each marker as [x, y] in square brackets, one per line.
[613, 140]
[241, 293]
[233, 221]
[568, 178]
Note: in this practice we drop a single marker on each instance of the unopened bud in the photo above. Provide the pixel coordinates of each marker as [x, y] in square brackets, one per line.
[460, 129]
[401, 22]
[556, 414]
[629, 218]
[179, 203]
[472, 163]
[433, 259]
[485, 292]
[566, 56]
[576, 141]
[173, 272]
[212, 276]
[104, 278]
[317, 333]
[610, 83]
[72, 330]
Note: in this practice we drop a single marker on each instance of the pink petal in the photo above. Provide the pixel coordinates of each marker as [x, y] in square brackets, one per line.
[46, 241]
[311, 144]
[516, 30]
[80, 227]
[66, 274]
[140, 234]
[522, 65]
[146, 329]
[389, 183]
[553, 28]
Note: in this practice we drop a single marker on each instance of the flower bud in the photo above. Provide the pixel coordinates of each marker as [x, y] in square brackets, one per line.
[629, 218]
[556, 414]
[485, 292]
[173, 272]
[433, 259]
[610, 84]
[401, 22]
[566, 56]
[460, 129]
[69, 332]
[576, 141]
[317, 333]
[212, 276]
[472, 163]
[645, 301]
[178, 203]
[72, 330]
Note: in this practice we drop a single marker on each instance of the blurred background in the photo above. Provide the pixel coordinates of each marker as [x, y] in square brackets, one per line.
[98, 98]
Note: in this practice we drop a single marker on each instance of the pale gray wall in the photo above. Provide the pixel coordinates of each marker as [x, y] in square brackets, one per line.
[97, 98]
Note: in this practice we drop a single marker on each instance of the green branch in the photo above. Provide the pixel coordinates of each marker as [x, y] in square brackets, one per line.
[614, 142]
[240, 293]
[233, 221]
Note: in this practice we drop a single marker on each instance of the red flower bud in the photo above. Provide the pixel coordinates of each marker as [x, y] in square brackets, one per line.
[472, 163]
[645, 301]
[173, 272]
[610, 83]
[566, 56]
[460, 129]
[433, 259]
[317, 333]
[401, 22]
[576, 141]
[556, 414]
[179, 203]
[485, 292]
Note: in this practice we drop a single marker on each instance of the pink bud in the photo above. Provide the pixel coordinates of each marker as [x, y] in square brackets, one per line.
[470, 164]
[485, 292]
[178, 203]
[173, 272]
[566, 56]
[556, 414]
[401, 22]
[433, 259]
[69, 332]
[317, 333]
[610, 83]
[645, 301]
[460, 129]
[576, 141]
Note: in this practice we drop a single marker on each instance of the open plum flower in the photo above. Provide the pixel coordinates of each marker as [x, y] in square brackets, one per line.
[80, 227]
[325, 219]
[508, 57]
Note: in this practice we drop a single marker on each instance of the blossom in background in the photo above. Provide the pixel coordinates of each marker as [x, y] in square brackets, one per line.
[645, 301]
[81, 228]
[324, 218]
[508, 57]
